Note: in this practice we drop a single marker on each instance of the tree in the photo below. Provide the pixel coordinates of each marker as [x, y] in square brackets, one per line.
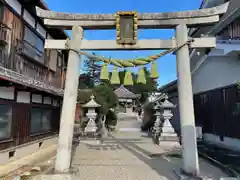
[105, 96]
[84, 95]
[93, 69]
[85, 81]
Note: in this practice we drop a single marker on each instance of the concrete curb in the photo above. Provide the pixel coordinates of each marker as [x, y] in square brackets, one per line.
[32, 159]
[223, 167]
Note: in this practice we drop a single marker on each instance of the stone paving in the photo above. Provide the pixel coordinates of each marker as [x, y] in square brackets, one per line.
[126, 156]
[113, 159]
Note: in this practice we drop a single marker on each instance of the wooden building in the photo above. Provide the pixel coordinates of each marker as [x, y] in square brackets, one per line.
[127, 100]
[215, 73]
[31, 80]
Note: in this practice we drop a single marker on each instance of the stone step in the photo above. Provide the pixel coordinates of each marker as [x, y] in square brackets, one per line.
[169, 138]
[129, 129]
[168, 134]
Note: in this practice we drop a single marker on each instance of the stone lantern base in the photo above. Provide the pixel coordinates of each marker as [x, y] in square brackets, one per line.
[168, 133]
[168, 138]
[91, 126]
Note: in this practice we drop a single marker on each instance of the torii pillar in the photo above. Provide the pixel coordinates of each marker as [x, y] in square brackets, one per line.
[186, 109]
[64, 150]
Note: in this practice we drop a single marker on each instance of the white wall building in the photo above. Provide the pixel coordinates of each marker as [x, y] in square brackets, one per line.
[215, 73]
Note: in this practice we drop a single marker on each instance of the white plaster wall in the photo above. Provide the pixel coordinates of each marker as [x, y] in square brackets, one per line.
[15, 5]
[227, 47]
[216, 72]
[26, 149]
[28, 18]
[37, 98]
[227, 142]
[7, 93]
[23, 97]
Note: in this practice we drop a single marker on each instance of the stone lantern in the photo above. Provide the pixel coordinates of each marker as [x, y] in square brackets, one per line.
[162, 129]
[157, 124]
[91, 115]
[167, 131]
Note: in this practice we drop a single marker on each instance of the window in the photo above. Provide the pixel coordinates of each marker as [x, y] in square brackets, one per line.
[40, 120]
[33, 39]
[5, 121]
[39, 45]
[46, 120]
[33, 46]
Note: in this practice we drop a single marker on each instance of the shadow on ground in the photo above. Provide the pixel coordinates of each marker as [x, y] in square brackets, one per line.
[165, 164]
[160, 165]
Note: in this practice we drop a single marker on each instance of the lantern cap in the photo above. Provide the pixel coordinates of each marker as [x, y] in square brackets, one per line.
[167, 104]
[92, 103]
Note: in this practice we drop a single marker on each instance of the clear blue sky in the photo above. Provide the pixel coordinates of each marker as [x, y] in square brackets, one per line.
[167, 64]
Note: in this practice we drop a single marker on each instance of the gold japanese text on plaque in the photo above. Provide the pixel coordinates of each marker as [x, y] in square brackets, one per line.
[126, 27]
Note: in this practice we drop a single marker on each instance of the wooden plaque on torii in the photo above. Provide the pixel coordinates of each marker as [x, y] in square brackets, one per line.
[126, 27]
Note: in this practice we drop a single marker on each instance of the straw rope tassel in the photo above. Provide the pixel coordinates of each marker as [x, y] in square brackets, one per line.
[154, 71]
[115, 76]
[128, 79]
[141, 77]
[104, 72]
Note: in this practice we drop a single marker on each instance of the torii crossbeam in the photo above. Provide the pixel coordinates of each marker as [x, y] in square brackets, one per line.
[180, 21]
[193, 18]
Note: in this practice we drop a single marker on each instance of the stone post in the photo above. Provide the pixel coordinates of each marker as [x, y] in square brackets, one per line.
[157, 125]
[187, 119]
[64, 150]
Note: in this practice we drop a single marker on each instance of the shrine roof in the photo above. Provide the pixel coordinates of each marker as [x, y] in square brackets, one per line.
[227, 18]
[169, 86]
[123, 92]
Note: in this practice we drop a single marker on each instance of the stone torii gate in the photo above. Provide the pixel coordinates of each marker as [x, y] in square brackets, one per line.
[180, 21]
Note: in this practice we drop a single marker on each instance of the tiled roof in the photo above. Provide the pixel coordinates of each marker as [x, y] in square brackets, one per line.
[123, 92]
[165, 87]
[15, 77]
